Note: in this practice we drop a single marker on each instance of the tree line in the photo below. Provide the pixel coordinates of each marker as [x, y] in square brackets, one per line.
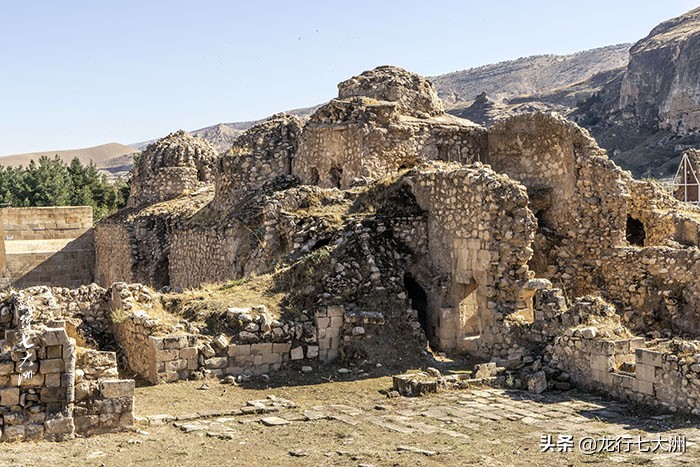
[52, 182]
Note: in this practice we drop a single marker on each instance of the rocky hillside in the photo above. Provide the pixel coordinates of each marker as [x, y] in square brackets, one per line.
[661, 87]
[646, 116]
[530, 75]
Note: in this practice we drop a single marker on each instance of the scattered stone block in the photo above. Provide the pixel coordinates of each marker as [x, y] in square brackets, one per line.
[537, 383]
[274, 421]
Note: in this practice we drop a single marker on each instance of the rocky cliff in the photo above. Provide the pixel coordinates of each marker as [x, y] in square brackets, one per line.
[661, 87]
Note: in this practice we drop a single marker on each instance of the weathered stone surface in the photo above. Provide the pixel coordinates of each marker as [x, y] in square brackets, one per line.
[413, 94]
[537, 383]
[117, 388]
[9, 397]
[661, 85]
[171, 167]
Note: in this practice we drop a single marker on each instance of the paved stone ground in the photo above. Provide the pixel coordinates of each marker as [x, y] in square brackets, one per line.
[602, 425]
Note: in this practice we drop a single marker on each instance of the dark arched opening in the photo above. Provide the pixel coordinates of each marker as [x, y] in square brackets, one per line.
[635, 233]
[418, 297]
[321, 243]
[336, 175]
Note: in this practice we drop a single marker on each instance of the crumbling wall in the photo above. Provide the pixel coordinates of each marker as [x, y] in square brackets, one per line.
[263, 152]
[414, 95]
[479, 235]
[38, 405]
[50, 388]
[626, 369]
[267, 228]
[150, 348]
[172, 166]
[103, 403]
[134, 245]
[665, 220]
[113, 250]
[577, 194]
[589, 213]
[383, 121]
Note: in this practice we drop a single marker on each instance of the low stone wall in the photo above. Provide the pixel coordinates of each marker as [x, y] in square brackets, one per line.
[627, 370]
[158, 359]
[253, 359]
[262, 345]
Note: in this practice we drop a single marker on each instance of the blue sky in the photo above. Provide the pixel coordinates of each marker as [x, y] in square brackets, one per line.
[82, 73]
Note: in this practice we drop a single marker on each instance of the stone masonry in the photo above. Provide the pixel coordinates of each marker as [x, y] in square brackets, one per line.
[47, 246]
[472, 239]
[175, 165]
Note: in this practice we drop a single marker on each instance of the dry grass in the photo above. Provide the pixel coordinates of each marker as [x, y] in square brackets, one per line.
[205, 306]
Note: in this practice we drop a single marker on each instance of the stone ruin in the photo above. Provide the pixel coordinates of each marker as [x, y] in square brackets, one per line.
[383, 121]
[173, 166]
[52, 388]
[392, 228]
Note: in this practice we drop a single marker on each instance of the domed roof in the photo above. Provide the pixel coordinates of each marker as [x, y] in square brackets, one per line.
[414, 94]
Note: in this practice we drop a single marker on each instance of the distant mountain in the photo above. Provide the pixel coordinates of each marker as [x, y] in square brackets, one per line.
[104, 155]
[538, 74]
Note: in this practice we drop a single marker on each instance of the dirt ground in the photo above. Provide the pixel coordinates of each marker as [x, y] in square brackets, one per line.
[347, 419]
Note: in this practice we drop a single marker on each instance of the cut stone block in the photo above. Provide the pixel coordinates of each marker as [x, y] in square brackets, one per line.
[297, 353]
[112, 389]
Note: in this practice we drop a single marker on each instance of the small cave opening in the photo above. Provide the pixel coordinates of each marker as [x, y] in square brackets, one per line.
[418, 297]
[321, 243]
[336, 176]
[443, 152]
[541, 223]
[634, 232]
[315, 177]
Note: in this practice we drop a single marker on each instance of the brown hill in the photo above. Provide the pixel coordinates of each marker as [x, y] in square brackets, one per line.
[99, 154]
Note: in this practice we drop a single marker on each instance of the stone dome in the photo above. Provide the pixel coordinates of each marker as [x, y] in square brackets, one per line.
[413, 94]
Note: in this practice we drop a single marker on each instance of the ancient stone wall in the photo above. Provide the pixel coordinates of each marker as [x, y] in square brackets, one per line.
[47, 223]
[269, 227]
[479, 232]
[626, 369]
[383, 121]
[49, 387]
[589, 212]
[577, 194]
[133, 245]
[103, 403]
[200, 255]
[263, 152]
[153, 349]
[353, 139]
[329, 323]
[113, 250]
[413, 94]
[38, 405]
[48, 246]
